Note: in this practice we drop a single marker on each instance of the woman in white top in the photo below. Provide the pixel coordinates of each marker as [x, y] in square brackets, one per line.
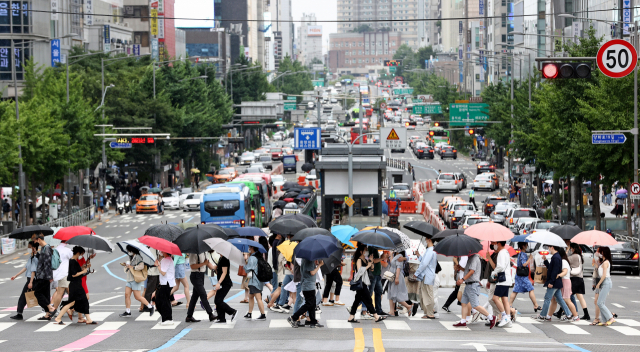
[604, 286]
[565, 274]
[501, 294]
[167, 281]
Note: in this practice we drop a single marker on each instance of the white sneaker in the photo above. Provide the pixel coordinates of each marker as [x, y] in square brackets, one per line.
[366, 317]
[338, 303]
[505, 323]
[437, 315]
[328, 304]
[166, 323]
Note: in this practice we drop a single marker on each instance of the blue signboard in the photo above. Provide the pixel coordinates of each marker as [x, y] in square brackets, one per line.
[107, 34]
[117, 145]
[481, 3]
[617, 138]
[136, 49]
[626, 15]
[55, 52]
[307, 138]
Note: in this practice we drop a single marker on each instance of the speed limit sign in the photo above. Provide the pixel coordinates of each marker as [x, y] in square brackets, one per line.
[383, 105]
[617, 58]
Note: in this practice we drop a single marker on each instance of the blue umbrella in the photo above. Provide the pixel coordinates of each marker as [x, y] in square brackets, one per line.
[250, 231]
[621, 195]
[303, 196]
[316, 247]
[520, 238]
[385, 208]
[243, 244]
[343, 233]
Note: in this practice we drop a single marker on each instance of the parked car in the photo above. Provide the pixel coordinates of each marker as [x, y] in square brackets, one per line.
[542, 225]
[402, 191]
[171, 199]
[278, 180]
[521, 225]
[311, 176]
[192, 202]
[257, 169]
[448, 182]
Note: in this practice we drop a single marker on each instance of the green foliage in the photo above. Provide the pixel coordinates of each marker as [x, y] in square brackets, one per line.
[294, 83]
[548, 214]
[362, 28]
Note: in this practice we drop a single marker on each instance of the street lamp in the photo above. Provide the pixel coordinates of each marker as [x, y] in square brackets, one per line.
[188, 79]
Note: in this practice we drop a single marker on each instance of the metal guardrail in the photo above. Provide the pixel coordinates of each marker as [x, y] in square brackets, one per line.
[310, 204]
[397, 163]
[75, 219]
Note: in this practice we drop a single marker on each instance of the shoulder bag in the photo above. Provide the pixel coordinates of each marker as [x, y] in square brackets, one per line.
[139, 275]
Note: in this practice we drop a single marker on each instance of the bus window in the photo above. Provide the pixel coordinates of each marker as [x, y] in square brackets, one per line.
[222, 207]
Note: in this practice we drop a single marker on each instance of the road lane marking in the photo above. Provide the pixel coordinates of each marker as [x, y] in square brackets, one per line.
[622, 287]
[147, 317]
[449, 326]
[173, 340]
[576, 347]
[4, 326]
[628, 322]
[359, 340]
[278, 323]
[378, 346]
[52, 327]
[88, 341]
[617, 305]
[228, 325]
[166, 327]
[396, 325]
[106, 299]
[571, 329]
[111, 325]
[517, 329]
[127, 232]
[338, 324]
[100, 316]
[106, 267]
[626, 330]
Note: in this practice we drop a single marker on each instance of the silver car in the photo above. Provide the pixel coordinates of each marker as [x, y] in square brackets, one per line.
[448, 182]
[247, 158]
[402, 191]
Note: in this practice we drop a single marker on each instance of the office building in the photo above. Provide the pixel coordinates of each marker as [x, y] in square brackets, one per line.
[309, 39]
[362, 53]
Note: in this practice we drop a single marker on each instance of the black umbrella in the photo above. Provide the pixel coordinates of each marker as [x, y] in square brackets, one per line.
[305, 219]
[332, 262]
[421, 228]
[308, 187]
[290, 194]
[165, 231]
[297, 189]
[289, 227]
[566, 232]
[446, 233]
[375, 239]
[288, 185]
[192, 240]
[317, 247]
[231, 233]
[458, 246]
[393, 236]
[279, 204]
[91, 241]
[306, 167]
[311, 231]
[24, 233]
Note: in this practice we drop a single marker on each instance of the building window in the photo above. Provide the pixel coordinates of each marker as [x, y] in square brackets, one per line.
[141, 38]
[504, 2]
[366, 52]
[504, 38]
[366, 61]
[504, 20]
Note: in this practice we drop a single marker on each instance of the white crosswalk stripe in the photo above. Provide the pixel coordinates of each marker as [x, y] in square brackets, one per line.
[517, 329]
[449, 326]
[4, 326]
[625, 330]
[628, 322]
[111, 325]
[396, 325]
[159, 326]
[571, 329]
[52, 327]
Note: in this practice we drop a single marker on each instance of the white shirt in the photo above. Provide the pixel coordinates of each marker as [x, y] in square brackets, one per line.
[503, 264]
[463, 263]
[65, 255]
[566, 265]
[197, 259]
[166, 265]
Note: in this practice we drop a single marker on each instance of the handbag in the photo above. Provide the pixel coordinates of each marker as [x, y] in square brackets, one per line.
[389, 275]
[522, 271]
[356, 285]
[139, 275]
[241, 271]
[32, 301]
[501, 277]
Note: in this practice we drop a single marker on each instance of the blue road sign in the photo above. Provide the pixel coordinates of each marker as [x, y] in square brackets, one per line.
[307, 138]
[117, 145]
[617, 138]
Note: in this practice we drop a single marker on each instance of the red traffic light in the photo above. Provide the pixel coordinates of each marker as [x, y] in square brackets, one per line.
[431, 133]
[436, 124]
[471, 131]
[550, 71]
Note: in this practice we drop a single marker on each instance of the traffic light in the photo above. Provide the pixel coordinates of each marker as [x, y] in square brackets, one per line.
[566, 70]
[431, 133]
[471, 131]
[436, 124]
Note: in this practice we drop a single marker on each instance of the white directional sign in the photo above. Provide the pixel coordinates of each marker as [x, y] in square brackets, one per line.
[617, 58]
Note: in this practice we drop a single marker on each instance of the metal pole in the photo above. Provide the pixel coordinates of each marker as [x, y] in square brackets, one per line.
[319, 108]
[231, 71]
[511, 135]
[529, 71]
[635, 125]
[360, 113]
[350, 180]
[67, 80]
[23, 207]
[104, 155]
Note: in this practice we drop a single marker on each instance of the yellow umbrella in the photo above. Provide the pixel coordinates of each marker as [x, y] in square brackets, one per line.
[195, 171]
[286, 248]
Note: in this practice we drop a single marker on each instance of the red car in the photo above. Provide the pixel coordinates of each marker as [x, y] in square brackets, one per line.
[276, 153]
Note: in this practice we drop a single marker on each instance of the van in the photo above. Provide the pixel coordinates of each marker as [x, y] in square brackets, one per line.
[289, 163]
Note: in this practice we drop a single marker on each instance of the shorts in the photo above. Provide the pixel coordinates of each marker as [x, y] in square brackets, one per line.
[501, 291]
[566, 288]
[245, 283]
[470, 295]
[577, 286]
[63, 283]
[180, 271]
[214, 280]
[254, 290]
[136, 286]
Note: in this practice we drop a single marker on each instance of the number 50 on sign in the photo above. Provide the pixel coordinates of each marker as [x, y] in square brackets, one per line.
[617, 58]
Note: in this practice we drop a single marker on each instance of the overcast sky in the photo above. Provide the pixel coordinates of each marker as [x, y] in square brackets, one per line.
[323, 9]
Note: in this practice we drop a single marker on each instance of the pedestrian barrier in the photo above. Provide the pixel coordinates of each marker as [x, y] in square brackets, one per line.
[408, 207]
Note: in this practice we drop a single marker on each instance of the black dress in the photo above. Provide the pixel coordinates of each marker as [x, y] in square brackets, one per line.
[76, 292]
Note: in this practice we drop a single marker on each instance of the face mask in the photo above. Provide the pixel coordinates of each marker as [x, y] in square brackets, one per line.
[130, 254]
[495, 247]
[366, 254]
[598, 255]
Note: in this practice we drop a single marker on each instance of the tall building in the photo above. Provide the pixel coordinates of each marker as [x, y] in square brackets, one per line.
[362, 53]
[153, 26]
[245, 21]
[309, 39]
[283, 32]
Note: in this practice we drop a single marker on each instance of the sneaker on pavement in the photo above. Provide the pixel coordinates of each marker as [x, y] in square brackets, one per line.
[247, 316]
[505, 323]
[328, 304]
[460, 325]
[125, 314]
[220, 321]
[318, 310]
[565, 319]
[292, 322]
[492, 322]
[151, 310]
[574, 319]
[514, 316]
[338, 303]
[446, 309]
[366, 316]
[316, 325]
[262, 317]
[276, 308]
[415, 309]
[167, 323]
[233, 316]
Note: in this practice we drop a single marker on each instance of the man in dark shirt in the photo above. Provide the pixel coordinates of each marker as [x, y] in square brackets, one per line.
[553, 284]
[44, 277]
[375, 276]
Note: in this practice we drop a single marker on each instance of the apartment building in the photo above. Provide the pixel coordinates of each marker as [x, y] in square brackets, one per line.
[362, 53]
[153, 26]
[309, 43]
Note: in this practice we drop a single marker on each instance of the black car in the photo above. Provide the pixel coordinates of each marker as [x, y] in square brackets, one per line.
[624, 258]
[423, 151]
[490, 203]
[462, 177]
[448, 152]
[485, 166]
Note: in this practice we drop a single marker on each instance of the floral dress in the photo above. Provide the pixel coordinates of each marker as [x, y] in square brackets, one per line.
[523, 284]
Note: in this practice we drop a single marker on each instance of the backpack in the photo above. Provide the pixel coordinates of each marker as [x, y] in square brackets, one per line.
[55, 259]
[264, 274]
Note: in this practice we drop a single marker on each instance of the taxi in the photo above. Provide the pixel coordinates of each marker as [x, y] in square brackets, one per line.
[147, 203]
[443, 204]
[225, 175]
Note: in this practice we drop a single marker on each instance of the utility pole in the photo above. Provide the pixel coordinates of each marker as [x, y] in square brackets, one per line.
[360, 115]
[21, 178]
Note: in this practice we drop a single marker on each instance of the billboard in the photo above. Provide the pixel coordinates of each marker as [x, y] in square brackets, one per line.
[314, 31]
[184, 10]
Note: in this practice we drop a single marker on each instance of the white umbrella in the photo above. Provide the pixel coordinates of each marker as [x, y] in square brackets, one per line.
[147, 256]
[548, 238]
[416, 245]
[226, 250]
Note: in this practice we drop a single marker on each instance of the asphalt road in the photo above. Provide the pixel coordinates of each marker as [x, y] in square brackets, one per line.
[141, 332]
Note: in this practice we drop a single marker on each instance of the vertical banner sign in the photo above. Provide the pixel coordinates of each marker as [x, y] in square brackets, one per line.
[54, 10]
[160, 27]
[576, 30]
[154, 48]
[107, 37]
[136, 49]
[460, 69]
[154, 22]
[161, 55]
[161, 7]
[88, 12]
[459, 27]
[481, 7]
[55, 52]
[626, 15]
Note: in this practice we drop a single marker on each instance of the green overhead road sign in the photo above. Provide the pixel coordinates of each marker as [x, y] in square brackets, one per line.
[318, 83]
[407, 91]
[427, 109]
[468, 114]
[291, 98]
[397, 91]
[289, 105]
[392, 69]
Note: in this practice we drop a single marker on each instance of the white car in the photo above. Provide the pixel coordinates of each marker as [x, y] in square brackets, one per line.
[277, 180]
[419, 121]
[457, 211]
[247, 158]
[192, 202]
[277, 137]
[448, 182]
[184, 192]
[512, 215]
[338, 85]
[472, 220]
[483, 181]
[171, 199]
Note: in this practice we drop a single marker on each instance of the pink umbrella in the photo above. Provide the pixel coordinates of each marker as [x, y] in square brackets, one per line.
[489, 231]
[594, 238]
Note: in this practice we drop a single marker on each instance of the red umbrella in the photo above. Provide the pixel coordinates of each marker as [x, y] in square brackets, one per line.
[66, 233]
[57, 194]
[489, 231]
[485, 247]
[160, 244]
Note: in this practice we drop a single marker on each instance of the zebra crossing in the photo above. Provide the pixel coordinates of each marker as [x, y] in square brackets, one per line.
[111, 321]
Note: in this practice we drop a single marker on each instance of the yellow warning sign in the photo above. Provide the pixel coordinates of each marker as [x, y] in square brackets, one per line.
[393, 135]
[349, 201]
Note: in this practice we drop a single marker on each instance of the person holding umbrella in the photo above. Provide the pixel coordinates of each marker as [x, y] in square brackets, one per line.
[255, 286]
[363, 295]
[426, 273]
[199, 264]
[167, 281]
[132, 285]
[77, 297]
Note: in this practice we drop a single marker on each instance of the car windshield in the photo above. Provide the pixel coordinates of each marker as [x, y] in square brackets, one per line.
[169, 194]
[483, 163]
[401, 187]
[222, 207]
[421, 145]
[473, 221]
[225, 172]
[501, 207]
[463, 207]
[149, 198]
[483, 178]
[524, 213]
[495, 201]
[254, 169]
[276, 150]
[546, 225]
[194, 196]
[446, 177]
[247, 154]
